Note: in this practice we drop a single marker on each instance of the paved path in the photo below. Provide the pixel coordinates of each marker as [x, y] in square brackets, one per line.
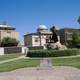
[58, 73]
[20, 57]
[45, 63]
[44, 72]
[68, 56]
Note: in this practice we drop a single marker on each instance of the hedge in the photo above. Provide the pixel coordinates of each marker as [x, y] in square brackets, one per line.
[53, 53]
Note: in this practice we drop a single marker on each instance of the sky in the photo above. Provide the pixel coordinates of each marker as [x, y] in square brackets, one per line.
[27, 15]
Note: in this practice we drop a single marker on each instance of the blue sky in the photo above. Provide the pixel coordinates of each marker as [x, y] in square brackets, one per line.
[27, 15]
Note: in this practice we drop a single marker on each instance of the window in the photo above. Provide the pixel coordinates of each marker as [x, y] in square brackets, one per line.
[69, 36]
[36, 39]
[8, 31]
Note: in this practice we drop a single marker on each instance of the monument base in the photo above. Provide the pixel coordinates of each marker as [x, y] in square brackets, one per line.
[57, 46]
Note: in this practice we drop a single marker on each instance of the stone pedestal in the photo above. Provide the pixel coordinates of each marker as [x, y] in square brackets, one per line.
[57, 46]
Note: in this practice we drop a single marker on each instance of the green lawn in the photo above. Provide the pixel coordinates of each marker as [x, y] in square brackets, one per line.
[74, 62]
[21, 63]
[9, 56]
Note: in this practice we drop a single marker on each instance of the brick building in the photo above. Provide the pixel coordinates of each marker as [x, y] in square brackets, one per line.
[8, 31]
[66, 35]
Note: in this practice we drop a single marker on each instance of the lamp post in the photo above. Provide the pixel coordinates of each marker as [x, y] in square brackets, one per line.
[78, 20]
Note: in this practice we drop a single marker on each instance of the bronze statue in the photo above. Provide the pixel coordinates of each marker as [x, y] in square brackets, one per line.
[53, 42]
[54, 37]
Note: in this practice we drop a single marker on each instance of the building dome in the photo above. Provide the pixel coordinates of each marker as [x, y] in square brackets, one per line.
[42, 27]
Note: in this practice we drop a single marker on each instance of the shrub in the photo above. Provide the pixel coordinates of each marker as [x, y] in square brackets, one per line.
[53, 53]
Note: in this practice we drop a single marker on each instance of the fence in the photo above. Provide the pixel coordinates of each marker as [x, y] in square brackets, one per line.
[10, 50]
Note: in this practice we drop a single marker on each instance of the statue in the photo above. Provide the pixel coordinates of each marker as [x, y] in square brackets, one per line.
[54, 35]
[54, 42]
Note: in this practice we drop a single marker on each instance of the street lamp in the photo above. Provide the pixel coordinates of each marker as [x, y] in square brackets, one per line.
[78, 20]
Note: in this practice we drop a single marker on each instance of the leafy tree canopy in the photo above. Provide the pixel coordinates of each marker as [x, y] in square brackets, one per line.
[76, 39]
[7, 42]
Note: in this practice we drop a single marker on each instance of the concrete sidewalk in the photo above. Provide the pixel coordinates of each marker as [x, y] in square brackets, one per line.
[57, 73]
[68, 56]
[43, 72]
[20, 57]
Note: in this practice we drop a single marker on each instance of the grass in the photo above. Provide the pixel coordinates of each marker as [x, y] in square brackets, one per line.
[21, 63]
[74, 62]
[9, 56]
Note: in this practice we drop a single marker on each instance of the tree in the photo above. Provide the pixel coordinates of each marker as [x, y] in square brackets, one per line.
[76, 39]
[8, 42]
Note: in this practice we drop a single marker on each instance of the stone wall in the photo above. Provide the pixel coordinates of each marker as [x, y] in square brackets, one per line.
[10, 50]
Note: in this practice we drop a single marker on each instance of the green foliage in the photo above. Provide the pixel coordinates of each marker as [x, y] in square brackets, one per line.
[76, 39]
[53, 53]
[8, 42]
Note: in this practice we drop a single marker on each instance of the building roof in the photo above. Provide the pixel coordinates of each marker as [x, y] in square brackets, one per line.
[6, 27]
[48, 33]
[69, 29]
